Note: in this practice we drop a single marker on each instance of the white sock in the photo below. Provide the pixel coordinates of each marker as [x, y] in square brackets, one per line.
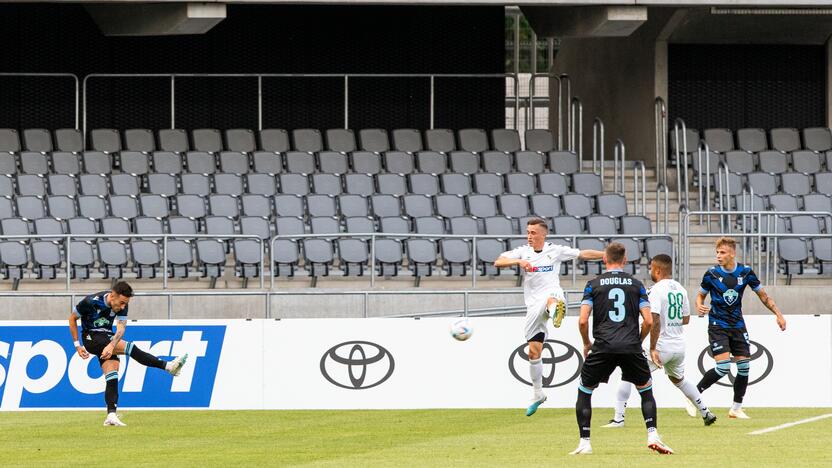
[736, 406]
[584, 440]
[622, 396]
[536, 372]
[690, 391]
[652, 433]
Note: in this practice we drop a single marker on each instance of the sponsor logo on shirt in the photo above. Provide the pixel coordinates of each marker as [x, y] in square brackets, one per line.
[542, 269]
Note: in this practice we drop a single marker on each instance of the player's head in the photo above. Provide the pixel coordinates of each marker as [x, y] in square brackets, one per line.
[120, 296]
[726, 251]
[536, 232]
[615, 256]
[661, 267]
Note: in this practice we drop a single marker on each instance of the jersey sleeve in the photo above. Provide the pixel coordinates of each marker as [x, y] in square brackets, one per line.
[752, 280]
[83, 308]
[122, 316]
[565, 254]
[643, 300]
[513, 254]
[686, 305]
[587, 299]
[705, 286]
[654, 297]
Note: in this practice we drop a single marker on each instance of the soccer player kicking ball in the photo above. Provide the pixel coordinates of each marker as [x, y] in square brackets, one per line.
[725, 283]
[615, 300]
[542, 293]
[671, 311]
[97, 313]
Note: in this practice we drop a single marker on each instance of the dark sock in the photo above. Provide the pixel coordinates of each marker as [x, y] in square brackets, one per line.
[648, 407]
[583, 410]
[144, 358]
[111, 392]
[741, 381]
[712, 376]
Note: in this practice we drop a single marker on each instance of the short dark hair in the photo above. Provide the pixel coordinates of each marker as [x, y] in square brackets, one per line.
[615, 253]
[663, 261]
[538, 222]
[123, 289]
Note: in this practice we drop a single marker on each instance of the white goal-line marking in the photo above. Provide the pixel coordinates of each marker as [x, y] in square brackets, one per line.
[787, 425]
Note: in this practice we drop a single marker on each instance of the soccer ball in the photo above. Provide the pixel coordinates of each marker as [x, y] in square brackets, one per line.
[461, 330]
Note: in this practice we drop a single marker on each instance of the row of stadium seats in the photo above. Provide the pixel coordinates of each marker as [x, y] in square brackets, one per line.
[755, 140]
[341, 140]
[773, 162]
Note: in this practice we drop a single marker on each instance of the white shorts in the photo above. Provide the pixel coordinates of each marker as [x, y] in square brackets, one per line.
[672, 362]
[537, 316]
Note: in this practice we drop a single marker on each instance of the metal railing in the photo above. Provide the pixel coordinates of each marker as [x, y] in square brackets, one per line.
[260, 76]
[598, 145]
[68, 238]
[619, 160]
[564, 98]
[704, 204]
[660, 116]
[76, 88]
[682, 185]
[576, 132]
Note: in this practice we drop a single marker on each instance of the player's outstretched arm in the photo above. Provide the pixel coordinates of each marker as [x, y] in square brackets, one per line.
[768, 301]
[583, 327]
[504, 262]
[73, 330]
[591, 255]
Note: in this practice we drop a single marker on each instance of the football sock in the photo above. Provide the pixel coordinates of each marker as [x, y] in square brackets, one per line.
[648, 407]
[111, 391]
[621, 400]
[536, 372]
[144, 358]
[690, 391]
[741, 381]
[713, 375]
[583, 411]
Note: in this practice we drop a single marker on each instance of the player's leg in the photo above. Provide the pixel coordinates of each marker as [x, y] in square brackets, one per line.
[110, 370]
[720, 345]
[674, 367]
[172, 367]
[741, 350]
[634, 368]
[556, 307]
[536, 371]
[596, 369]
[621, 397]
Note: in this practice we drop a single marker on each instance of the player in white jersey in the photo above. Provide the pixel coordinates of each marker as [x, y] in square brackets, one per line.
[670, 307]
[542, 293]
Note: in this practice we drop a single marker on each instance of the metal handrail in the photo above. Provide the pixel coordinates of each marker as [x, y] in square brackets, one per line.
[704, 204]
[155, 237]
[662, 188]
[564, 84]
[259, 76]
[619, 152]
[724, 195]
[54, 75]
[660, 116]
[681, 162]
[638, 166]
[598, 145]
[576, 120]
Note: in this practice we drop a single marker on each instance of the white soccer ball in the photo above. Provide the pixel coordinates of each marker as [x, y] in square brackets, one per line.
[461, 329]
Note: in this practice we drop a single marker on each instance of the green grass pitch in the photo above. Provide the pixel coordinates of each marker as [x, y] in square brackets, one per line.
[405, 438]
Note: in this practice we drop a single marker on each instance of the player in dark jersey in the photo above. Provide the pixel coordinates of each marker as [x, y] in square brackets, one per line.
[615, 300]
[97, 313]
[725, 283]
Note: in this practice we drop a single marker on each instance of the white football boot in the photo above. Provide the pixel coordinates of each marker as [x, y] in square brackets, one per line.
[584, 448]
[175, 367]
[655, 443]
[737, 414]
[113, 420]
[614, 423]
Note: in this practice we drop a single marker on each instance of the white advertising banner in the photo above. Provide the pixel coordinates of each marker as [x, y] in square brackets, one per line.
[381, 364]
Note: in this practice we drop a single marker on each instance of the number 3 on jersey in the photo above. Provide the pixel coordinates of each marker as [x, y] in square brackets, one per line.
[616, 295]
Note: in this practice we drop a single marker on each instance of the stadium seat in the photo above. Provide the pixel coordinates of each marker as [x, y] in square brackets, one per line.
[385, 205]
[28, 184]
[139, 140]
[256, 205]
[796, 183]
[81, 259]
[69, 140]
[505, 140]
[456, 184]
[719, 140]
[105, 140]
[564, 162]
[30, 163]
[327, 184]
[773, 162]
[233, 162]
[818, 139]
[147, 259]
[785, 140]
[464, 162]
[388, 253]
[13, 261]
[586, 183]
[340, 140]
[425, 184]
[37, 139]
[207, 140]
[473, 140]
[180, 258]
[440, 140]
[113, 258]
[46, 259]
[300, 162]
[408, 140]
[807, 162]
[297, 184]
[228, 184]
[374, 140]
[418, 205]
[352, 205]
[431, 162]
[166, 162]
[496, 162]
[552, 183]
[752, 140]
[210, 255]
[333, 162]
[96, 162]
[359, 184]
[65, 163]
[365, 162]
[520, 183]
[488, 184]
[266, 162]
[274, 140]
[174, 140]
[196, 184]
[421, 255]
[240, 140]
[529, 162]
[200, 162]
[124, 207]
[321, 205]
[134, 162]
[398, 162]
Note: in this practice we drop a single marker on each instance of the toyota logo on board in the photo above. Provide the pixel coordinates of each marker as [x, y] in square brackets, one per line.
[561, 363]
[758, 353]
[357, 365]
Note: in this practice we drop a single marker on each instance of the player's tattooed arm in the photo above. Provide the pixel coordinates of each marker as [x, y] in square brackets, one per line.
[768, 301]
[110, 348]
[591, 255]
[583, 327]
[655, 330]
[646, 322]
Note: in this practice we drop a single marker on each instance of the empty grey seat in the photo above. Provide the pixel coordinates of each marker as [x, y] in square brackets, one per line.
[182, 225]
[154, 205]
[658, 245]
[321, 205]
[823, 182]
[385, 205]
[37, 139]
[92, 207]
[456, 184]
[366, 162]
[794, 253]
[421, 255]
[333, 162]
[125, 184]
[196, 184]
[488, 250]
[520, 183]
[174, 140]
[286, 254]
[297, 184]
[162, 184]
[807, 162]
[450, 206]
[223, 205]
[496, 162]
[149, 226]
[15, 227]
[6, 187]
[359, 225]
[262, 184]
[240, 140]
[392, 184]
[564, 162]
[763, 183]
[464, 226]
[93, 184]
[539, 140]
[219, 226]
[275, 140]
[359, 184]
[265, 162]
[529, 162]
[307, 140]
[587, 184]
[456, 256]
[49, 226]
[62, 184]
[200, 162]
[429, 225]
[431, 162]
[505, 140]
[46, 259]
[8, 164]
[408, 140]
[114, 228]
[473, 140]
[255, 226]
[612, 204]
[692, 136]
[139, 139]
[393, 225]
[440, 140]
[632, 253]
[601, 225]
[189, 206]
[773, 162]
[425, 184]
[134, 162]
[464, 162]
[28, 184]
[208, 140]
[482, 206]
[636, 225]
[577, 205]
[30, 163]
[374, 140]
[247, 262]
[180, 258]
[81, 259]
[709, 166]
[819, 202]
[340, 140]
[329, 184]
[96, 162]
[514, 206]
[324, 225]
[69, 139]
[796, 183]
[352, 205]
[499, 226]
[65, 163]
[256, 205]
[546, 206]
[13, 261]
[720, 140]
[785, 139]
[388, 253]
[30, 207]
[81, 226]
[745, 202]
[106, 140]
[147, 259]
[817, 139]
[752, 140]
[228, 184]
[822, 251]
[124, 206]
[783, 202]
[166, 162]
[487, 183]
[398, 162]
[418, 205]
[289, 204]
[299, 162]
[740, 162]
[805, 224]
[210, 255]
[233, 162]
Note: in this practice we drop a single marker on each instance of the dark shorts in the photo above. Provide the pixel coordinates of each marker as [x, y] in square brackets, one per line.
[733, 340]
[540, 338]
[598, 367]
[95, 342]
